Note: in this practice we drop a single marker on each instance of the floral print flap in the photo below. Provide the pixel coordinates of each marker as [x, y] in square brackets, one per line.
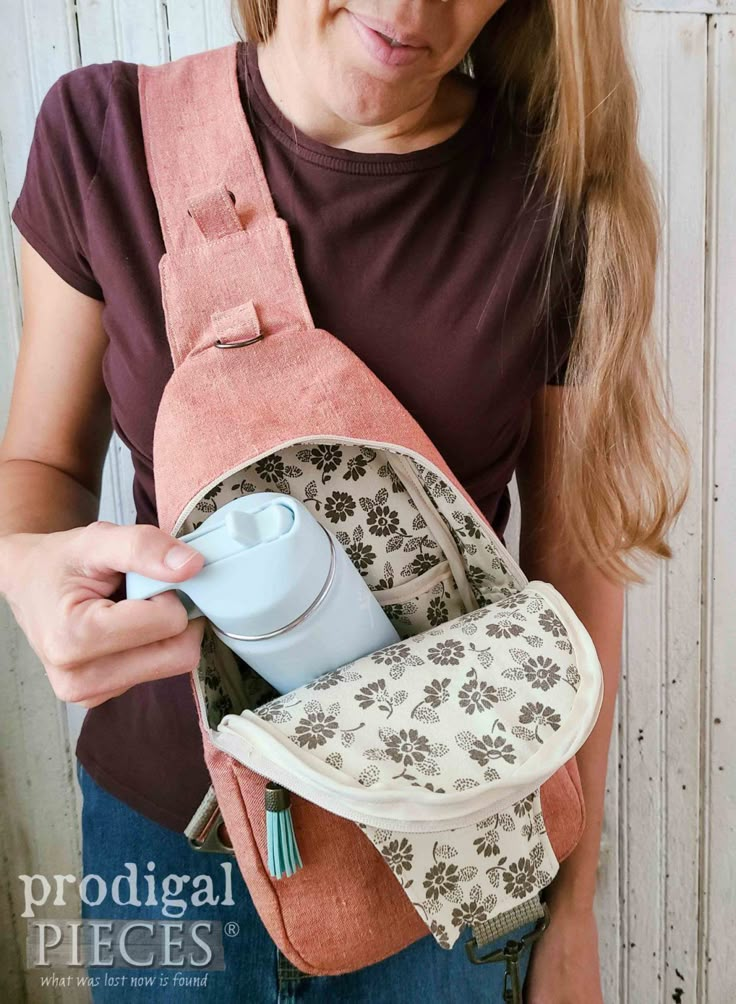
[436, 747]
[470, 874]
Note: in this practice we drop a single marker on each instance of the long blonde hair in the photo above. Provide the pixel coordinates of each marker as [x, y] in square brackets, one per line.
[563, 68]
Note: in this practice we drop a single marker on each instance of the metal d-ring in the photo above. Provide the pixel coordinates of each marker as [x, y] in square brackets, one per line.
[246, 341]
[238, 345]
[302, 616]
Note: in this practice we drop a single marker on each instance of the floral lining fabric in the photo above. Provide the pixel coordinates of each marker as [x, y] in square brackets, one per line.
[354, 491]
[469, 693]
[464, 705]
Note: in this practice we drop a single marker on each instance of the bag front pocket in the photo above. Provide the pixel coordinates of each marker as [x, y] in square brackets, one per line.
[436, 747]
[492, 703]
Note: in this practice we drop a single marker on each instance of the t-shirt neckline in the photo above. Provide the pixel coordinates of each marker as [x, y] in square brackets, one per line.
[352, 161]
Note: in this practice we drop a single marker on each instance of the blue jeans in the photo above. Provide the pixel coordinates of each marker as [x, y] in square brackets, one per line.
[255, 970]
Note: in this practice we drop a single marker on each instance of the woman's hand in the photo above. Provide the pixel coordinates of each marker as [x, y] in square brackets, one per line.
[564, 967]
[58, 586]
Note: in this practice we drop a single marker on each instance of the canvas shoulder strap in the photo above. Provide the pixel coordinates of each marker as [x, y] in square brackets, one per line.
[228, 272]
[198, 146]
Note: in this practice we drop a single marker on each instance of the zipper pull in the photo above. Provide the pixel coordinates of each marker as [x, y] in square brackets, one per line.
[283, 853]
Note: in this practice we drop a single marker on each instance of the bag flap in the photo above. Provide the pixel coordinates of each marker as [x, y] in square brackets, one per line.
[436, 747]
[438, 730]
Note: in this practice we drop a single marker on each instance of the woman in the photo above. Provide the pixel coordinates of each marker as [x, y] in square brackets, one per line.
[462, 175]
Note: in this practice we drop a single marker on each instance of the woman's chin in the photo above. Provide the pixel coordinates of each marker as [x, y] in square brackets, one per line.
[358, 98]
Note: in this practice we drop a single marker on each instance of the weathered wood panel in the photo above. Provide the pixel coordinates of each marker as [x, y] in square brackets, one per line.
[658, 824]
[718, 878]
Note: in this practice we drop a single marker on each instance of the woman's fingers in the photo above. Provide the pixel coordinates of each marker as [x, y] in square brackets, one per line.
[94, 628]
[99, 679]
[102, 549]
[91, 647]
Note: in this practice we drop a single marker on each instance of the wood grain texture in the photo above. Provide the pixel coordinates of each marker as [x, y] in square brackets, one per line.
[718, 873]
[39, 830]
[684, 6]
[659, 824]
[666, 877]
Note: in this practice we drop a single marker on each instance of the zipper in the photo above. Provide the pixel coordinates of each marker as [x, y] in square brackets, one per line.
[520, 579]
[334, 801]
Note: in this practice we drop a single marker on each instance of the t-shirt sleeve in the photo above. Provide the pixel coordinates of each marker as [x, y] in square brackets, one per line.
[565, 311]
[50, 211]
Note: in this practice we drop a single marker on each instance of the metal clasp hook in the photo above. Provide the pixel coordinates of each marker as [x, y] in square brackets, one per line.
[510, 955]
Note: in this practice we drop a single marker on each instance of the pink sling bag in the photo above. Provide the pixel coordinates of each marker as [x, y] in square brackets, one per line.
[262, 400]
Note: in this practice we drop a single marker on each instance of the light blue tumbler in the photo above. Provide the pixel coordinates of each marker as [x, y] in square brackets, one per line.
[279, 590]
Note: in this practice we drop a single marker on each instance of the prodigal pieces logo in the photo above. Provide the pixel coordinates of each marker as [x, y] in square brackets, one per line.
[165, 941]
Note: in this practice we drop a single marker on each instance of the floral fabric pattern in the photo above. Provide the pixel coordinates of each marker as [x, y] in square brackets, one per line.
[460, 706]
[445, 710]
[355, 492]
[463, 698]
[469, 874]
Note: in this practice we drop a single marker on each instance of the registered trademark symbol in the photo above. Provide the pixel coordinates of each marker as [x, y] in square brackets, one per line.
[231, 929]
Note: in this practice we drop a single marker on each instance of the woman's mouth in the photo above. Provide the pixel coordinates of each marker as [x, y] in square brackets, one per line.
[386, 48]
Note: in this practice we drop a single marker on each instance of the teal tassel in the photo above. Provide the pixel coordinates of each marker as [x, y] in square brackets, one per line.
[283, 853]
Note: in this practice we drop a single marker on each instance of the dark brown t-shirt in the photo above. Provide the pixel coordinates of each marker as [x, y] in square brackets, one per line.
[425, 264]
